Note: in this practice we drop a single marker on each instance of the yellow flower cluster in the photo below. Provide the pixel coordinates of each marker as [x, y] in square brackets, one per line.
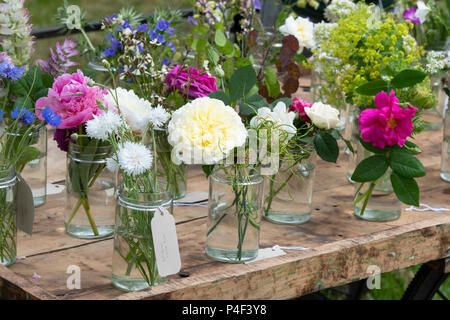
[366, 48]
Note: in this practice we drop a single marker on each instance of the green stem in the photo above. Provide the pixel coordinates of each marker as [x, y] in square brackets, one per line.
[85, 203]
[72, 215]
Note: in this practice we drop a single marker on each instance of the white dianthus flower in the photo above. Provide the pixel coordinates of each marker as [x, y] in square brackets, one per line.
[159, 117]
[282, 118]
[102, 126]
[134, 158]
[205, 130]
[136, 111]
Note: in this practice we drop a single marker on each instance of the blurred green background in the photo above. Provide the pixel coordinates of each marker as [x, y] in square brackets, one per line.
[393, 284]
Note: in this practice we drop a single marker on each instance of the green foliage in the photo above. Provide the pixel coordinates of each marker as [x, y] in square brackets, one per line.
[370, 169]
[406, 189]
[408, 78]
[241, 82]
[406, 165]
[326, 146]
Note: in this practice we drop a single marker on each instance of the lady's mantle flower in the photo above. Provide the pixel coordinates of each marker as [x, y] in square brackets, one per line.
[205, 130]
[389, 124]
[339, 9]
[302, 29]
[134, 158]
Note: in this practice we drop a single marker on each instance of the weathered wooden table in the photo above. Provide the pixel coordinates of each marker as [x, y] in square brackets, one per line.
[341, 245]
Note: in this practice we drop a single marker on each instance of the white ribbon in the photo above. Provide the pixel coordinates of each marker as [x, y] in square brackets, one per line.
[277, 247]
[426, 208]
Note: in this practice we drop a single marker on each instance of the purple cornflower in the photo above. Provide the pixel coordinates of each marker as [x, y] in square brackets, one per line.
[142, 27]
[165, 61]
[109, 52]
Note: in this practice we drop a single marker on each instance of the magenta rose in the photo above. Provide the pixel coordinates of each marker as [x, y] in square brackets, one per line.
[299, 107]
[75, 109]
[193, 82]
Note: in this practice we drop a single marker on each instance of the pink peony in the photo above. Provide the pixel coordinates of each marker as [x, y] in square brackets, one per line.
[299, 107]
[73, 110]
[193, 82]
[389, 124]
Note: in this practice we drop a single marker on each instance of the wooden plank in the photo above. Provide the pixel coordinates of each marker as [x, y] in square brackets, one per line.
[15, 287]
[299, 273]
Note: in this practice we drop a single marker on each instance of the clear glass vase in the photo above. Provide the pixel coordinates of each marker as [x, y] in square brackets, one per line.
[172, 175]
[8, 217]
[90, 203]
[435, 115]
[134, 261]
[35, 171]
[383, 205]
[352, 134]
[235, 204]
[445, 159]
[288, 194]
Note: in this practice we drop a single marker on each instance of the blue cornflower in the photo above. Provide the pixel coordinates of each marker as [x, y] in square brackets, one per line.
[51, 117]
[109, 52]
[192, 21]
[28, 118]
[116, 45]
[16, 113]
[125, 25]
[162, 25]
[142, 27]
[170, 31]
[10, 71]
[2, 115]
[165, 61]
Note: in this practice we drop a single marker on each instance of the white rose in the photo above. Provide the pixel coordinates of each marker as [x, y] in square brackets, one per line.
[302, 29]
[324, 116]
[422, 11]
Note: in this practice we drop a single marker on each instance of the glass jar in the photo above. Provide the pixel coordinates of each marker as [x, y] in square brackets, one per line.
[383, 205]
[435, 115]
[172, 175]
[235, 203]
[134, 260]
[8, 217]
[352, 134]
[289, 192]
[35, 171]
[90, 203]
[445, 159]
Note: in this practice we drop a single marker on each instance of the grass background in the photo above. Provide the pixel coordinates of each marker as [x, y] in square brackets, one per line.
[393, 284]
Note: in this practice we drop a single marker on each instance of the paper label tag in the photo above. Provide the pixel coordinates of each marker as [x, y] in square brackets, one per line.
[165, 242]
[25, 206]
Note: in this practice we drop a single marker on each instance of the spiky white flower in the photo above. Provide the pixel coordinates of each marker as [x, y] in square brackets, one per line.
[159, 117]
[422, 11]
[112, 165]
[134, 158]
[104, 125]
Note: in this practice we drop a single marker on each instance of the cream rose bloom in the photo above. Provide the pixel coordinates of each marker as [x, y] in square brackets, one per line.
[280, 116]
[204, 131]
[302, 29]
[324, 116]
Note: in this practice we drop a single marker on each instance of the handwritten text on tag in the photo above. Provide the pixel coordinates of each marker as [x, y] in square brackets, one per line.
[165, 242]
